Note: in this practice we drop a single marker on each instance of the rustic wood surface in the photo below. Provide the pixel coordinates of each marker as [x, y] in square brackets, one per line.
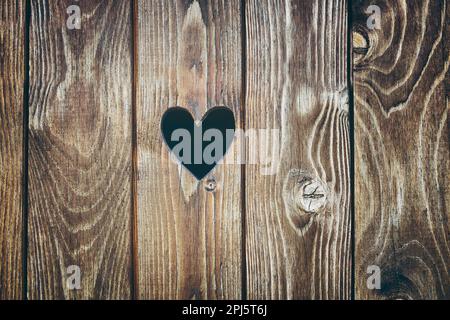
[12, 20]
[188, 232]
[86, 180]
[402, 150]
[80, 150]
[298, 221]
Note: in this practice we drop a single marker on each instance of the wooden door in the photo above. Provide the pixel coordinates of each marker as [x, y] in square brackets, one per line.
[335, 188]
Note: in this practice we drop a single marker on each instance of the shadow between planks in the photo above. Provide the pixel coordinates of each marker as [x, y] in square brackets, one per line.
[361, 116]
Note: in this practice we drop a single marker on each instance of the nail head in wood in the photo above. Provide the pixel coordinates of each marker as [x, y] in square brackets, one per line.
[210, 185]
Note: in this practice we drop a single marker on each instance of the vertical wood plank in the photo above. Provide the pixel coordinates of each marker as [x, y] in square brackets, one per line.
[80, 150]
[402, 150]
[188, 232]
[298, 235]
[12, 20]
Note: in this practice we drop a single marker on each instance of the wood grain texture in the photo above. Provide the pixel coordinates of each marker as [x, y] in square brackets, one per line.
[298, 235]
[402, 150]
[12, 19]
[80, 150]
[188, 232]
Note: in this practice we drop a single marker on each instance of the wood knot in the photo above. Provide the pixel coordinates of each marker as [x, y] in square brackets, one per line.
[360, 42]
[307, 192]
[210, 185]
[312, 194]
[305, 196]
[364, 43]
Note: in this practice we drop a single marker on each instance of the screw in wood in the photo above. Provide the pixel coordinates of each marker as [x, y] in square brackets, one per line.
[210, 185]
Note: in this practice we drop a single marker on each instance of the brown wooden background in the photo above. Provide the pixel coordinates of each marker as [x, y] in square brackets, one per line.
[85, 179]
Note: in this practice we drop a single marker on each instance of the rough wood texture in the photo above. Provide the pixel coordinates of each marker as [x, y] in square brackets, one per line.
[298, 235]
[80, 150]
[188, 238]
[285, 63]
[402, 150]
[12, 17]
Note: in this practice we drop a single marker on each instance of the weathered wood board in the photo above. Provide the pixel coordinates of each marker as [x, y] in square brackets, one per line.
[402, 150]
[298, 236]
[12, 44]
[86, 180]
[80, 150]
[189, 233]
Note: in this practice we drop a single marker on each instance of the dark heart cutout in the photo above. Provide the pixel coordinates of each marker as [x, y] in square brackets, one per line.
[197, 151]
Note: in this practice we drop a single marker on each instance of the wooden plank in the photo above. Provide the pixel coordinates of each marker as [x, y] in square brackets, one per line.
[80, 150]
[12, 20]
[298, 235]
[402, 150]
[188, 237]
